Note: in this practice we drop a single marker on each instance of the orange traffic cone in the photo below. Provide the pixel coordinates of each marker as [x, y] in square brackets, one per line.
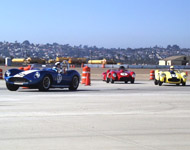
[87, 79]
[85, 71]
[152, 75]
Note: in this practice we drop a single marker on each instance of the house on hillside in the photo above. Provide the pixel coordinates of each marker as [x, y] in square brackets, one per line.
[175, 60]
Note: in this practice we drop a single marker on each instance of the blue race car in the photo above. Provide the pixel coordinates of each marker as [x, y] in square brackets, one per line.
[42, 79]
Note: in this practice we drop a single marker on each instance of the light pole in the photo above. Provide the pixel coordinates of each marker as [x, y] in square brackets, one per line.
[91, 56]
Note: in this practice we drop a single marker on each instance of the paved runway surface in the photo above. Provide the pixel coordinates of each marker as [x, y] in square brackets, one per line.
[102, 116]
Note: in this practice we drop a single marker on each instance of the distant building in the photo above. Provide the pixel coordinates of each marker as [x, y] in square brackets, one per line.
[175, 60]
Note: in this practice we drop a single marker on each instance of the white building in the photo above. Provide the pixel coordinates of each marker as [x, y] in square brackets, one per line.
[175, 60]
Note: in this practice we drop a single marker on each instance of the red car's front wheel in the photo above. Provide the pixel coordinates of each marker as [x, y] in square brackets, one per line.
[107, 80]
[132, 81]
[111, 80]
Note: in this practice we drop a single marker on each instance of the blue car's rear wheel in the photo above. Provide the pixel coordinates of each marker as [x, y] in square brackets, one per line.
[74, 83]
[12, 87]
[45, 84]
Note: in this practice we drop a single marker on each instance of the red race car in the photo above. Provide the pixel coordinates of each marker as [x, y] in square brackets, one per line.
[119, 75]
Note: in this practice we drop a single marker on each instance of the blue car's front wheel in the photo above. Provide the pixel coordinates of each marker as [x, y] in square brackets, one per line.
[11, 87]
[45, 84]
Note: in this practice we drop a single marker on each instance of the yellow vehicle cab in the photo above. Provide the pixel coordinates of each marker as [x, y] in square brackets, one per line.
[171, 76]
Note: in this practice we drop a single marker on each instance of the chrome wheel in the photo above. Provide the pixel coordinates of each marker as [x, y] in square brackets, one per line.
[46, 82]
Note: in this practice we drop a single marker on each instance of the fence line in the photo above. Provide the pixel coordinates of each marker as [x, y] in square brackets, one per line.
[136, 66]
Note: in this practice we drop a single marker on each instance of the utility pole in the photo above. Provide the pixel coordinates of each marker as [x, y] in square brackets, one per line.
[91, 56]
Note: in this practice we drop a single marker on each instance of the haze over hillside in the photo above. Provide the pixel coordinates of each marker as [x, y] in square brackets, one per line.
[149, 55]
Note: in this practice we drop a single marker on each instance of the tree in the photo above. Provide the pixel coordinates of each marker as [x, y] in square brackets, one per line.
[176, 47]
[169, 47]
[26, 42]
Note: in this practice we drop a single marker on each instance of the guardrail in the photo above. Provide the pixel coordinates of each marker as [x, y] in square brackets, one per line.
[136, 66]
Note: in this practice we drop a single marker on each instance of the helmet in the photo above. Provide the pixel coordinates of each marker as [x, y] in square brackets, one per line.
[121, 68]
[171, 67]
[57, 63]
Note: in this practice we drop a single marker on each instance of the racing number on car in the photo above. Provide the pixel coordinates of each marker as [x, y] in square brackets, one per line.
[59, 78]
[173, 75]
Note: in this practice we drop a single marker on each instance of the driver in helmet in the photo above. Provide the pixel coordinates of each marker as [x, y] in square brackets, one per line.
[57, 67]
[122, 68]
[171, 69]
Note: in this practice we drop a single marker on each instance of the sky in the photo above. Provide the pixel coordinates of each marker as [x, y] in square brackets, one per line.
[101, 23]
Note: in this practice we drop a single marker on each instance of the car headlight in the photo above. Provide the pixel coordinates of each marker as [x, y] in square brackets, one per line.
[163, 75]
[8, 73]
[184, 76]
[37, 75]
[133, 75]
[114, 75]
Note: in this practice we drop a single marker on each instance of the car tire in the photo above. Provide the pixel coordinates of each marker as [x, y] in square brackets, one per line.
[45, 84]
[126, 82]
[183, 83]
[12, 87]
[107, 80]
[111, 80]
[160, 83]
[74, 83]
[132, 81]
[177, 84]
[156, 82]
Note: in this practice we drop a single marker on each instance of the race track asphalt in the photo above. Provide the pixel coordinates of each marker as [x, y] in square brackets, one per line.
[102, 116]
